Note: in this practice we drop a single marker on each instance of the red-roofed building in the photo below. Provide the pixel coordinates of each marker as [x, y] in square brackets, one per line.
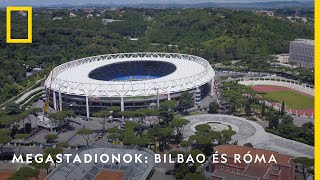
[284, 168]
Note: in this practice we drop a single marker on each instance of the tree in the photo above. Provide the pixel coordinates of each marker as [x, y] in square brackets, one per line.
[204, 139]
[128, 135]
[143, 141]
[127, 114]
[114, 133]
[25, 173]
[17, 178]
[164, 135]
[4, 137]
[147, 113]
[114, 111]
[185, 144]
[192, 176]
[20, 138]
[50, 137]
[166, 116]
[63, 144]
[161, 135]
[306, 165]
[13, 108]
[154, 136]
[194, 153]
[213, 108]
[248, 145]
[182, 171]
[203, 128]
[263, 109]
[186, 101]
[276, 121]
[167, 105]
[166, 111]
[247, 107]
[42, 165]
[225, 136]
[85, 133]
[102, 118]
[53, 152]
[60, 117]
[7, 120]
[175, 153]
[271, 118]
[178, 124]
[287, 119]
[283, 109]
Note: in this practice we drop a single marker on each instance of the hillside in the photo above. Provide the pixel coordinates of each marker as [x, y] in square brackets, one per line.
[218, 35]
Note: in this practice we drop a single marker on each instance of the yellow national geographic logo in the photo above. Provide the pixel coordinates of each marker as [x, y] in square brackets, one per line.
[19, 8]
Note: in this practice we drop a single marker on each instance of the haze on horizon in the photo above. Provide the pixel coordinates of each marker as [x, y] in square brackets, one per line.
[123, 2]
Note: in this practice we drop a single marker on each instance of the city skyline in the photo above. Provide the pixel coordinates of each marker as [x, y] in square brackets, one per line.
[126, 2]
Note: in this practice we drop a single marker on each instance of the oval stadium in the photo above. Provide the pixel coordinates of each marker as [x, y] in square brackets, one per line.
[127, 80]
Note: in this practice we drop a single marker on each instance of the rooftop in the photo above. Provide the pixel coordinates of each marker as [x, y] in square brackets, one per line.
[102, 170]
[304, 41]
[230, 176]
[230, 150]
[258, 170]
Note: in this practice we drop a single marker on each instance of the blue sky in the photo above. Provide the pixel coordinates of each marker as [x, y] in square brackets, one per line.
[79, 2]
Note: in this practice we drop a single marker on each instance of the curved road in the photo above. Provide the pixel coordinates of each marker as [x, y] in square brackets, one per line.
[254, 133]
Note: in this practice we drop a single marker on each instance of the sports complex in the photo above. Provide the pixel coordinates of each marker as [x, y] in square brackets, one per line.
[298, 97]
[107, 170]
[127, 80]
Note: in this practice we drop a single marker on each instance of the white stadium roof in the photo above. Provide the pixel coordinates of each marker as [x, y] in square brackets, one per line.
[73, 77]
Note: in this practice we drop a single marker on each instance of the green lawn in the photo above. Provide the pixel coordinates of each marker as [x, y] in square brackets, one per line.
[292, 100]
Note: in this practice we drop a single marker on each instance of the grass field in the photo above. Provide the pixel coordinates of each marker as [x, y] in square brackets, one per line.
[292, 100]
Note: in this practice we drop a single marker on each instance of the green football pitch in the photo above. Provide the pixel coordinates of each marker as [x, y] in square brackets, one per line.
[292, 100]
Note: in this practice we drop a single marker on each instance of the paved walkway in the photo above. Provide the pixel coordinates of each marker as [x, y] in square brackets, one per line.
[24, 91]
[252, 132]
[27, 94]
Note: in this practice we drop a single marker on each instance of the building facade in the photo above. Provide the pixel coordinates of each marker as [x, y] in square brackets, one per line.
[283, 169]
[302, 52]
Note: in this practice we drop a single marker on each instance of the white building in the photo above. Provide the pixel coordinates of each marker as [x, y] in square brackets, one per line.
[302, 52]
[72, 14]
[90, 16]
[107, 21]
[282, 58]
[57, 18]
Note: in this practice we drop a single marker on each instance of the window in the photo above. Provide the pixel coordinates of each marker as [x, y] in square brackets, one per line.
[222, 167]
[238, 171]
[228, 169]
[233, 170]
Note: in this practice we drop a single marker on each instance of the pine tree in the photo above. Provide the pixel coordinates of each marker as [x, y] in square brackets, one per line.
[247, 107]
[282, 109]
[271, 119]
[276, 121]
[263, 109]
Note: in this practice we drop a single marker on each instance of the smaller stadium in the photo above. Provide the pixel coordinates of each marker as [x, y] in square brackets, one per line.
[127, 80]
[298, 97]
[110, 170]
[295, 101]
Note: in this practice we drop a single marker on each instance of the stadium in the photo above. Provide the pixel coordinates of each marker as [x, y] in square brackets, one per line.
[127, 80]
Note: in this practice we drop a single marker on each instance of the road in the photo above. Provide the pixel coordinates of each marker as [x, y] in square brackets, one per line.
[27, 94]
[254, 133]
